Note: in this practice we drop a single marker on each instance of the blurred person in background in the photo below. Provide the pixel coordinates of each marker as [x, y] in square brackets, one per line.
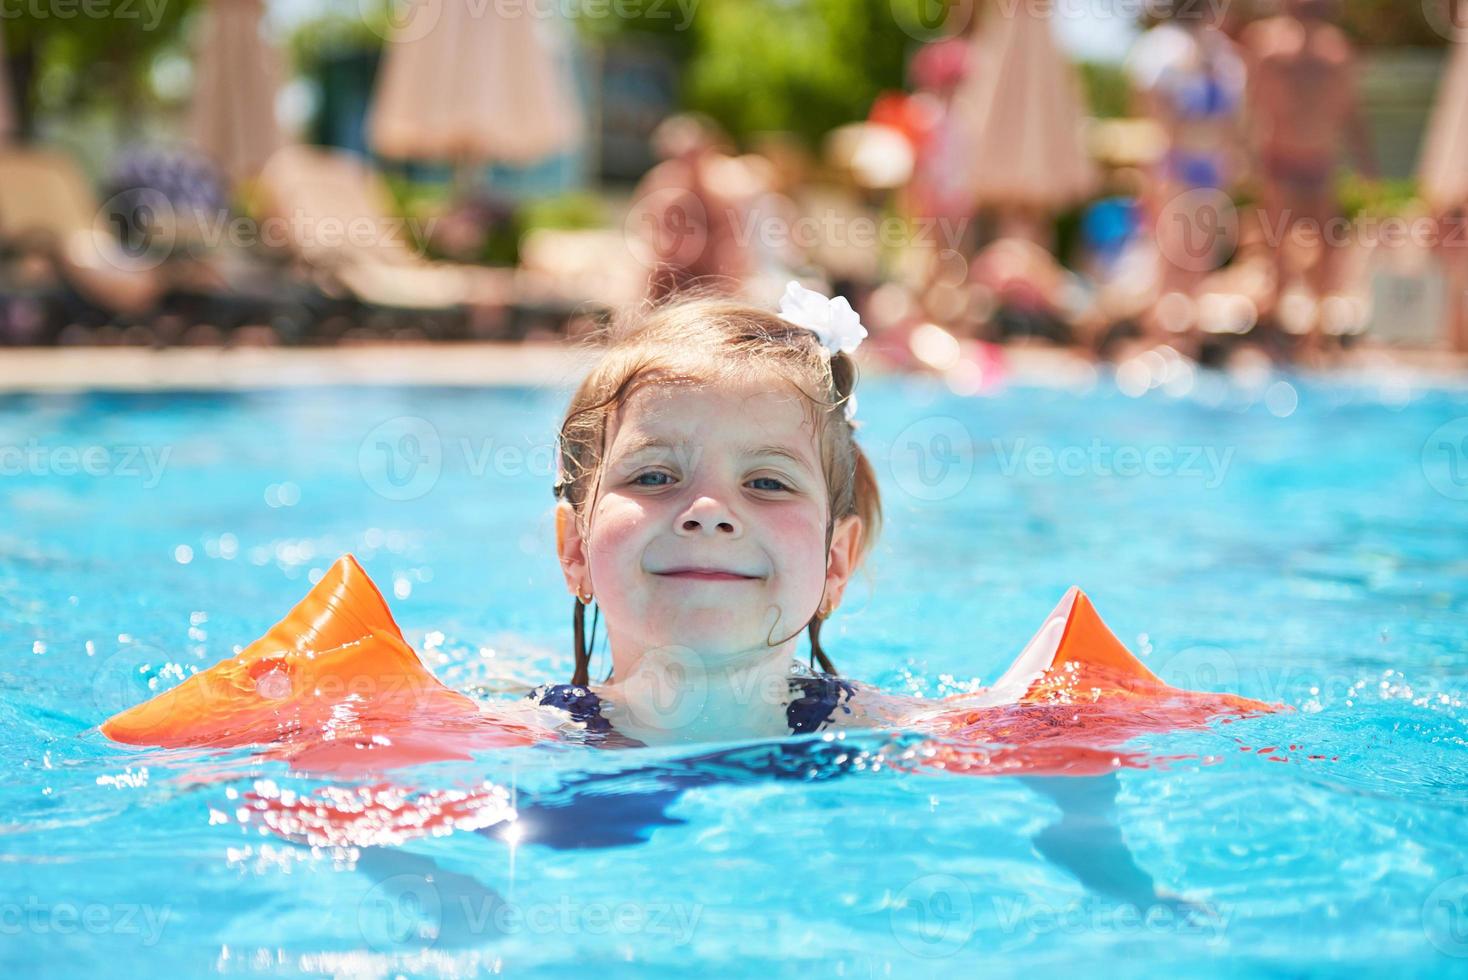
[1304, 110]
[1187, 76]
[690, 211]
[1443, 178]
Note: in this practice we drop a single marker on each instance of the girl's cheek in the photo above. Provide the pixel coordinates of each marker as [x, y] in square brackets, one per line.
[615, 529]
[806, 536]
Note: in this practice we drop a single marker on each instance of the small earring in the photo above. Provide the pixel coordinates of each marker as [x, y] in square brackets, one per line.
[585, 600]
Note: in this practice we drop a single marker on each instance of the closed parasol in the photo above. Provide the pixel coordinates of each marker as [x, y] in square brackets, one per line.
[232, 118]
[1020, 114]
[1444, 167]
[7, 106]
[462, 80]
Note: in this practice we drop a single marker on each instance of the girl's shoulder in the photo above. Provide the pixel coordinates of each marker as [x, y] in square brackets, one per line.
[578, 701]
[821, 698]
[818, 699]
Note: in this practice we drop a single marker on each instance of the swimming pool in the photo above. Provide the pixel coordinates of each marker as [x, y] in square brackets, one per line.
[1289, 539]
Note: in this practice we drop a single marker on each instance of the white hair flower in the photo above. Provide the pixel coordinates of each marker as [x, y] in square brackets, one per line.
[832, 320]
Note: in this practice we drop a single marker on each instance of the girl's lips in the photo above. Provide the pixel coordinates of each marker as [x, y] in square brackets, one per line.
[707, 576]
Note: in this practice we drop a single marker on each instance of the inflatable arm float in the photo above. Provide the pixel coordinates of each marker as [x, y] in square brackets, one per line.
[333, 686]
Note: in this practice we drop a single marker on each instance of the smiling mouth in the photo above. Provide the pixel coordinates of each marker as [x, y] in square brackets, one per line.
[706, 575]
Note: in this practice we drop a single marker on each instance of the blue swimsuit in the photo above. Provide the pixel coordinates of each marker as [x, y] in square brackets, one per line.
[619, 808]
[818, 700]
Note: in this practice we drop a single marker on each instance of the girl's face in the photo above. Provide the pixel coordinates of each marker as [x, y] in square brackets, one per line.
[708, 535]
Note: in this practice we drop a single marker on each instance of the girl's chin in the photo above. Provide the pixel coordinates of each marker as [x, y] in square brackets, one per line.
[714, 633]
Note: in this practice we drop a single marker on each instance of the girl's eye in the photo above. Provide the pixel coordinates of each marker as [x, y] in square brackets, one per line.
[637, 480]
[778, 485]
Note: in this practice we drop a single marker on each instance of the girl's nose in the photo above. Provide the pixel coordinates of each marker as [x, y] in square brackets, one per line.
[706, 515]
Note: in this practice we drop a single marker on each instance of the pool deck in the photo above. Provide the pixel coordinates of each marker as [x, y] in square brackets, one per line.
[30, 369]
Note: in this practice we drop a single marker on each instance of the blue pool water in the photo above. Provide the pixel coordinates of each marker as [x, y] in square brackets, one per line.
[1291, 540]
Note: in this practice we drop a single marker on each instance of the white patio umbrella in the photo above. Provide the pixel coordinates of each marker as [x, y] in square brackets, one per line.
[232, 116]
[463, 80]
[7, 104]
[1444, 166]
[1021, 115]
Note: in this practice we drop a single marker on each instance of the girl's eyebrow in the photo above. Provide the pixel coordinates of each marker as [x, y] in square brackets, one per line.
[642, 444]
[777, 451]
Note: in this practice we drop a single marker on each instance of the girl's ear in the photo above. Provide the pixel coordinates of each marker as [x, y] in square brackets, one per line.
[845, 549]
[572, 550]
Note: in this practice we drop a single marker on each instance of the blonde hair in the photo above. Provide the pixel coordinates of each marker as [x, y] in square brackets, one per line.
[718, 341]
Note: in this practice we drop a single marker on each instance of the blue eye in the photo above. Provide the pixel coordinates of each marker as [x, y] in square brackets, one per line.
[769, 479]
[637, 480]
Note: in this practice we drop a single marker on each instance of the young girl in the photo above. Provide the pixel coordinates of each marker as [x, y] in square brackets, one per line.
[714, 504]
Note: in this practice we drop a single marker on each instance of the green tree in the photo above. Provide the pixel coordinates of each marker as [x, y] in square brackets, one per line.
[70, 53]
[804, 66]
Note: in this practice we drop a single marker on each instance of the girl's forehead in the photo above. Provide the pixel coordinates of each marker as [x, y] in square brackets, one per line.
[681, 411]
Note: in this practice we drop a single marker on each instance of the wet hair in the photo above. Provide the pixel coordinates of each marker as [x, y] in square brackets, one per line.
[715, 341]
